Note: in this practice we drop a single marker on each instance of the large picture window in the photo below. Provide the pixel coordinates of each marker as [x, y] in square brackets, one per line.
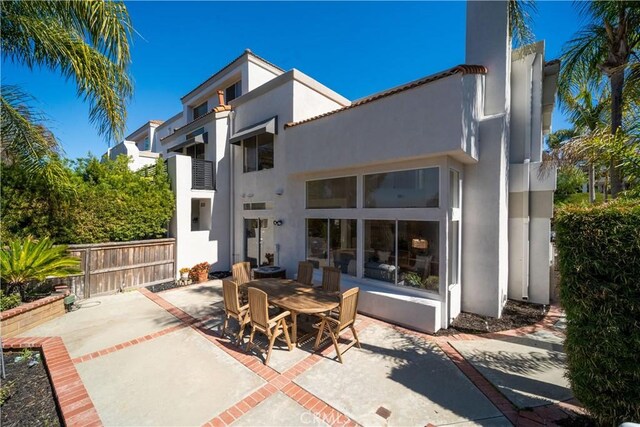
[418, 188]
[404, 253]
[257, 152]
[333, 242]
[332, 193]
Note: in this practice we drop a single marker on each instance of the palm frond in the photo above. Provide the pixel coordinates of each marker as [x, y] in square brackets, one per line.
[26, 260]
[520, 20]
[25, 138]
[86, 41]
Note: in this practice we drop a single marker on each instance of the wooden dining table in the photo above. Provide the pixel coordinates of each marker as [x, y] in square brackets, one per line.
[296, 298]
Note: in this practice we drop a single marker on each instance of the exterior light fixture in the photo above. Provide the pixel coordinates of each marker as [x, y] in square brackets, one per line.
[278, 222]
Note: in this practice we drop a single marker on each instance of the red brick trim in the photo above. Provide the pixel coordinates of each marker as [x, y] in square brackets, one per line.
[136, 341]
[30, 306]
[126, 344]
[538, 416]
[73, 400]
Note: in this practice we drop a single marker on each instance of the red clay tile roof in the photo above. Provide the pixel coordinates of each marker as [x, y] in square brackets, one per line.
[460, 69]
[156, 122]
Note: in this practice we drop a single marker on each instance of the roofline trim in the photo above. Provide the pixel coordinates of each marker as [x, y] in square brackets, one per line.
[247, 52]
[155, 123]
[460, 69]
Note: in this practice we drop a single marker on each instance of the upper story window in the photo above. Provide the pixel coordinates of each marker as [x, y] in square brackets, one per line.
[418, 188]
[145, 144]
[257, 152]
[233, 91]
[332, 193]
[200, 110]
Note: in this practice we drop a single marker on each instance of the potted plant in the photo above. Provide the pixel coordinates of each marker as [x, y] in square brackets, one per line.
[199, 272]
[184, 273]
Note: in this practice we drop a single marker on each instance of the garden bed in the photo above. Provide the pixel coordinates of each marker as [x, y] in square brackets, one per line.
[27, 394]
[516, 314]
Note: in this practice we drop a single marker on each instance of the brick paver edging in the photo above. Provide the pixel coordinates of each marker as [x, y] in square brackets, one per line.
[8, 314]
[275, 380]
[75, 405]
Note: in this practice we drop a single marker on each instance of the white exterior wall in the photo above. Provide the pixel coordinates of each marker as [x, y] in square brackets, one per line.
[257, 75]
[530, 192]
[137, 159]
[410, 124]
[485, 188]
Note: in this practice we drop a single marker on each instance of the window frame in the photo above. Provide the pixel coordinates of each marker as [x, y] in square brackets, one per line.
[306, 192]
[237, 90]
[256, 144]
[204, 104]
[363, 187]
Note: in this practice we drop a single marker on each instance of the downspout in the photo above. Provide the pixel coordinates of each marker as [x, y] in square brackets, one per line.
[232, 192]
[526, 222]
[232, 200]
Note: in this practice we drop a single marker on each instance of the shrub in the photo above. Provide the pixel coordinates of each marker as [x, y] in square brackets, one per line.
[599, 258]
[7, 302]
[24, 261]
[106, 202]
[570, 181]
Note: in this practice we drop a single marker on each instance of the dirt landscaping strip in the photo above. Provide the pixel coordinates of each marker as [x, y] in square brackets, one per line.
[27, 398]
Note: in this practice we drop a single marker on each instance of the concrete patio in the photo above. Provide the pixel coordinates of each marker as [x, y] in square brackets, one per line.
[158, 359]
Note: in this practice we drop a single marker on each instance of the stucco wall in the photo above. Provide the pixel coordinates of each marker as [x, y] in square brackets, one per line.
[410, 124]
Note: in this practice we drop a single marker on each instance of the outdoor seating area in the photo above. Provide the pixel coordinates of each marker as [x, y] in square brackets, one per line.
[329, 312]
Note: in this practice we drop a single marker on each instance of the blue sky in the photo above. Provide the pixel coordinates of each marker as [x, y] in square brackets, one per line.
[355, 48]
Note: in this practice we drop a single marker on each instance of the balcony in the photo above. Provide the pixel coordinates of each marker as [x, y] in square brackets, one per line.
[202, 175]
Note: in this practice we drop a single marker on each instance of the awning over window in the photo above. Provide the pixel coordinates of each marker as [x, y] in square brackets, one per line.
[198, 139]
[267, 126]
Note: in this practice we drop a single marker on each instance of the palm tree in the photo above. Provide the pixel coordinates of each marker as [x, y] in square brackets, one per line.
[87, 42]
[606, 48]
[25, 261]
[585, 102]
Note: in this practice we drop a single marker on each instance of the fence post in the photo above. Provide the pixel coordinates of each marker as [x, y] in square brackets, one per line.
[87, 273]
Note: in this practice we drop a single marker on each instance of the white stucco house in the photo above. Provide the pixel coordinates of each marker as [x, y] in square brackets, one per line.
[427, 196]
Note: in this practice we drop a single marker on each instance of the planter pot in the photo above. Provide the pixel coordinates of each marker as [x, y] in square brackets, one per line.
[202, 277]
[184, 276]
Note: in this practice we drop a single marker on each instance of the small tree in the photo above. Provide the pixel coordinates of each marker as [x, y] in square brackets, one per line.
[25, 261]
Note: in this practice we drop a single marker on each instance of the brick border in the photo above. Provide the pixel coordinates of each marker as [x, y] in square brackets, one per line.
[76, 407]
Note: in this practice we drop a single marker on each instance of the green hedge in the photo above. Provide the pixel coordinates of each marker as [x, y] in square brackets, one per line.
[104, 201]
[599, 258]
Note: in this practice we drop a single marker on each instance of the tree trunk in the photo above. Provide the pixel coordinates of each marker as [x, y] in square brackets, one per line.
[617, 83]
[592, 183]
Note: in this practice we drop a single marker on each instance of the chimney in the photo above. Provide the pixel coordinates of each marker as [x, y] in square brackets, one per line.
[488, 43]
[221, 97]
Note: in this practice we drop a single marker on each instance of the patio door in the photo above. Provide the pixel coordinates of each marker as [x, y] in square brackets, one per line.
[259, 241]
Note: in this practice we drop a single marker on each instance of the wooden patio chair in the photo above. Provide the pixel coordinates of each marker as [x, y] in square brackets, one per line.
[260, 321]
[346, 318]
[241, 273]
[331, 279]
[233, 309]
[305, 273]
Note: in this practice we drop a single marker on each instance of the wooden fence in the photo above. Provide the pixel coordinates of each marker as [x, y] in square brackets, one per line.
[110, 267]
